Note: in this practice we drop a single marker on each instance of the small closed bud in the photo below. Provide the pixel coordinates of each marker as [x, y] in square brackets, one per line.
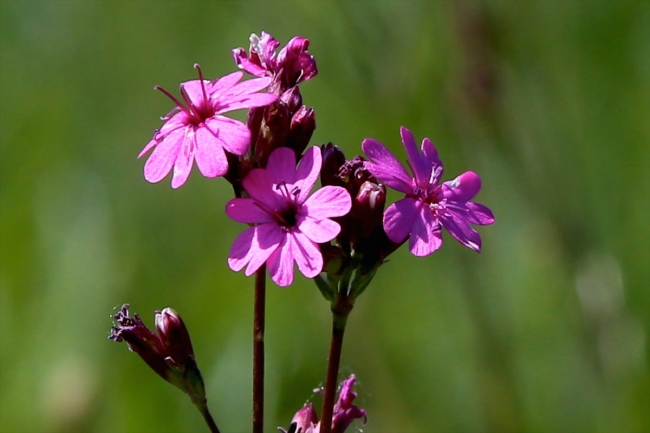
[273, 132]
[174, 335]
[303, 124]
[333, 160]
[292, 98]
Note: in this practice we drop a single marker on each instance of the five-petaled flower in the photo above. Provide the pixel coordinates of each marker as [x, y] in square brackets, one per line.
[197, 130]
[428, 204]
[288, 223]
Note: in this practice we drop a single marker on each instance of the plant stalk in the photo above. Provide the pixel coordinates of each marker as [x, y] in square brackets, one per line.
[333, 363]
[258, 350]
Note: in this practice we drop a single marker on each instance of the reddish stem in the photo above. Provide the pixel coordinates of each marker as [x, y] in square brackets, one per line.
[258, 350]
[340, 313]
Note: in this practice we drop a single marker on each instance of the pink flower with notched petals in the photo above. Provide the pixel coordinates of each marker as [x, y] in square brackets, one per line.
[197, 131]
[428, 205]
[289, 224]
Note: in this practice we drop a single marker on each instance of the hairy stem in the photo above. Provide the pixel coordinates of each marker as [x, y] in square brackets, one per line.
[258, 350]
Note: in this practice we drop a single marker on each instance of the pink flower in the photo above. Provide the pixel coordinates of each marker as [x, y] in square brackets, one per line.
[289, 224]
[293, 64]
[428, 205]
[344, 412]
[198, 131]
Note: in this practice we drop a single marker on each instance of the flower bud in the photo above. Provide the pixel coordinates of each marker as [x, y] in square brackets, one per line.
[293, 99]
[303, 124]
[333, 159]
[169, 352]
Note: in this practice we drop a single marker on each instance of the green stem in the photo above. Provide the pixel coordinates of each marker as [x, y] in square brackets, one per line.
[258, 350]
[208, 419]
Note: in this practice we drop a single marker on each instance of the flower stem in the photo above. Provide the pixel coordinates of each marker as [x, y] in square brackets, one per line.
[339, 319]
[208, 418]
[258, 350]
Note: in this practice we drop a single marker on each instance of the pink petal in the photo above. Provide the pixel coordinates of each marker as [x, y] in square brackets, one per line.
[240, 251]
[184, 160]
[179, 120]
[257, 185]
[209, 154]
[162, 159]
[267, 239]
[479, 214]
[308, 172]
[281, 166]
[224, 83]
[327, 202]
[244, 210]
[280, 263]
[318, 230]
[460, 229]
[148, 147]
[463, 188]
[307, 255]
[426, 236]
[386, 167]
[246, 87]
[399, 218]
[417, 163]
[430, 155]
[235, 137]
[194, 91]
[246, 101]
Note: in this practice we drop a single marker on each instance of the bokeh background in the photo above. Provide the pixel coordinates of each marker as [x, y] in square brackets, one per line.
[545, 331]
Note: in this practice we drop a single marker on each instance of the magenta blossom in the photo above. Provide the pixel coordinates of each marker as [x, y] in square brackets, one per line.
[197, 130]
[344, 412]
[289, 224]
[292, 65]
[428, 205]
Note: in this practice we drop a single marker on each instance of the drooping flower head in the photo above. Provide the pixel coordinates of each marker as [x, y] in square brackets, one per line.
[344, 412]
[428, 205]
[293, 64]
[289, 223]
[196, 129]
[168, 351]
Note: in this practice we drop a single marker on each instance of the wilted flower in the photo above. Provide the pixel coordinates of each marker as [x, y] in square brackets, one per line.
[197, 130]
[293, 64]
[428, 204]
[168, 352]
[345, 412]
[289, 223]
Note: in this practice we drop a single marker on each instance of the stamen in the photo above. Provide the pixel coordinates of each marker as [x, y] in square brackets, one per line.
[173, 98]
[191, 107]
[198, 67]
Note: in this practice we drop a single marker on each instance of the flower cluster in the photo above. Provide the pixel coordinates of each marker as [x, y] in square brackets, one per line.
[339, 235]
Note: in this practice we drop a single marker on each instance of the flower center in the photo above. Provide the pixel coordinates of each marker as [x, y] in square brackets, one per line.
[287, 216]
[196, 112]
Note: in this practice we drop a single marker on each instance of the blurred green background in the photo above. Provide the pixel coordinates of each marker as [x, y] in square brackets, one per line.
[545, 331]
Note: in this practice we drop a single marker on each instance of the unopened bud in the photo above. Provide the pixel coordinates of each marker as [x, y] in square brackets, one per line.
[303, 124]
